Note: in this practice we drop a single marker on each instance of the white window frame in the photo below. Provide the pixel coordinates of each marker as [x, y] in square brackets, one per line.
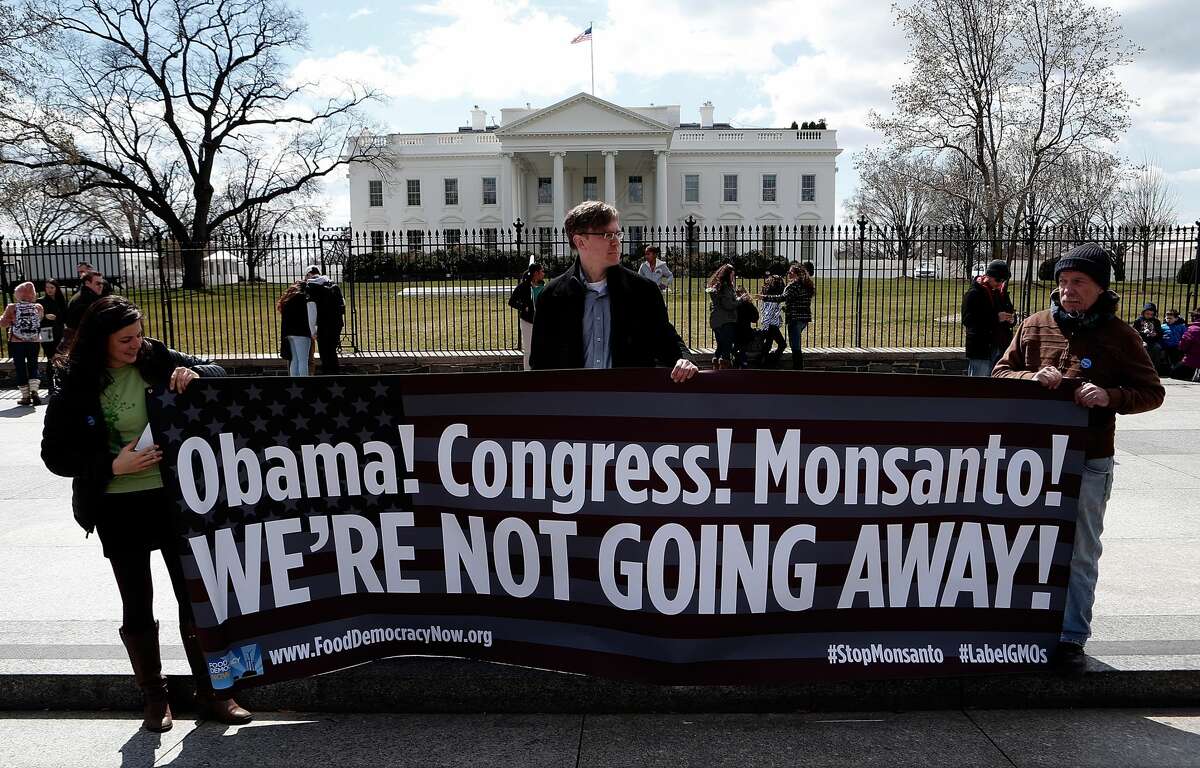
[491, 238]
[408, 192]
[414, 239]
[446, 192]
[447, 240]
[549, 187]
[378, 240]
[641, 188]
[812, 176]
[699, 188]
[737, 181]
[595, 187]
[374, 187]
[483, 190]
[774, 188]
[773, 247]
[729, 238]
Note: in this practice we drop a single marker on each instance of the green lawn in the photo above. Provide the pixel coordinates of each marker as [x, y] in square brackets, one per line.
[453, 315]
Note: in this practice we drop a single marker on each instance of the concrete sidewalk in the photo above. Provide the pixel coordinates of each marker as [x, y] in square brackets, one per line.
[981, 739]
[59, 611]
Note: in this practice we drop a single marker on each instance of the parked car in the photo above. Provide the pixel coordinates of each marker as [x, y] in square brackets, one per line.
[925, 271]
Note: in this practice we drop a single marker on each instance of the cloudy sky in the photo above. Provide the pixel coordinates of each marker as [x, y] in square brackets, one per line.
[763, 63]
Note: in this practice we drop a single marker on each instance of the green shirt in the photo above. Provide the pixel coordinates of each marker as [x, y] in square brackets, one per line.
[124, 406]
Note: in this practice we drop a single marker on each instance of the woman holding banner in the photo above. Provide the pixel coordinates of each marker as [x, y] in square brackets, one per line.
[96, 432]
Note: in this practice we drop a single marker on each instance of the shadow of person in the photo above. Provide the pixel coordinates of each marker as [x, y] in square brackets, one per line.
[141, 749]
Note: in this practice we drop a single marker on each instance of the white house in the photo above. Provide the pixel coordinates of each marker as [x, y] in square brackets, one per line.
[539, 163]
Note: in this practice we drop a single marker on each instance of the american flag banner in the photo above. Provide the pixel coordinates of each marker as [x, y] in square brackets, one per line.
[742, 527]
[583, 36]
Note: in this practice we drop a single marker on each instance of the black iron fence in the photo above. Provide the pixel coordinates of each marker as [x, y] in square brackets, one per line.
[422, 291]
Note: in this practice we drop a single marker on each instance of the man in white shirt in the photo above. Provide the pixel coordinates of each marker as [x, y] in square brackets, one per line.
[654, 270]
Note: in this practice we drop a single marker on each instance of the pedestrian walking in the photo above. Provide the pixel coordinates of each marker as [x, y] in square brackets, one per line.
[94, 434]
[987, 318]
[770, 322]
[599, 314]
[326, 296]
[797, 297]
[54, 316]
[23, 319]
[722, 317]
[524, 299]
[1081, 340]
[90, 289]
[297, 328]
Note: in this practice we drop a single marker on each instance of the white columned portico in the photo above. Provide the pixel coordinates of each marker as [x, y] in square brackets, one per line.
[559, 190]
[660, 188]
[610, 176]
[507, 190]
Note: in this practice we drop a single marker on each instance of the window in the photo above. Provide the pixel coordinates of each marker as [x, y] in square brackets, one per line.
[452, 236]
[545, 190]
[729, 240]
[768, 189]
[451, 191]
[414, 191]
[415, 239]
[730, 187]
[545, 240]
[377, 241]
[375, 190]
[489, 190]
[634, 236]
[768, 240]
[691, 188]
[489, 238]
[808, 242]
[808, 188]
[635, 189]
[589, 187]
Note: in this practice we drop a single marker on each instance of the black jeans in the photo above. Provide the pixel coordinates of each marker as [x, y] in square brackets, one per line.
[327, 348]
[25, 357]
[772, 336]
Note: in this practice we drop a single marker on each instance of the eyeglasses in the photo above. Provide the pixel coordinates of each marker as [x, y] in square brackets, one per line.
[609, 236]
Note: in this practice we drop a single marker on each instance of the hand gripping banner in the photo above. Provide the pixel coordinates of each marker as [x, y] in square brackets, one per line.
[741, 527]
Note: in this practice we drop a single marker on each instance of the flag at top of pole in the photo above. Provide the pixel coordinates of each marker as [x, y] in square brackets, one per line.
[586, 35]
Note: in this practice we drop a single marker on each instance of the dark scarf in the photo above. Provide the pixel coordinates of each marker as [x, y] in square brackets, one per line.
[1069, 322]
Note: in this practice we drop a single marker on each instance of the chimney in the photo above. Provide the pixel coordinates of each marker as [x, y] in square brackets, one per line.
[706, 114]
[478, 118]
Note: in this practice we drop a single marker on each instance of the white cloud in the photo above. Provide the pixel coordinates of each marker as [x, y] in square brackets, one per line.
[359, 13]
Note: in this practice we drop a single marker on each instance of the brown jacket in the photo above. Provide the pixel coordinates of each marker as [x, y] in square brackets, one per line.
[1115, 359]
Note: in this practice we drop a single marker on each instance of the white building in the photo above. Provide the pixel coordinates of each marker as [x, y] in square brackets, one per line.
[539, 163]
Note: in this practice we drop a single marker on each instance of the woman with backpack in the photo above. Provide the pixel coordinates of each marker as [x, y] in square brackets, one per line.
[23, 319]
[524, 299]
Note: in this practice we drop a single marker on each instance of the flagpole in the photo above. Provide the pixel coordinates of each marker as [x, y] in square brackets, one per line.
[592, 51]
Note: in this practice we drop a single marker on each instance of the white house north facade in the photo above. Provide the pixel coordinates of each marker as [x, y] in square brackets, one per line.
[536, 164]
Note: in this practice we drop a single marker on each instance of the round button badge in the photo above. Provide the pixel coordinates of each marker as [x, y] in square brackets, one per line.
[1085, 363]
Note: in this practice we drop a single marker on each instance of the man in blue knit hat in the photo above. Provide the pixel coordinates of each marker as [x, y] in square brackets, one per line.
[1080, 342]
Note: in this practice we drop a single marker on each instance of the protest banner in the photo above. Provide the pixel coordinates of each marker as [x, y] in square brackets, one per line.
[742, 527]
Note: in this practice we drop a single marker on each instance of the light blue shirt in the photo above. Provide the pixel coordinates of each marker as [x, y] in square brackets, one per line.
[597, 324]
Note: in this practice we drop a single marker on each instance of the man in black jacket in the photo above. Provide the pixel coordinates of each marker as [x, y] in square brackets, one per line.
[988, 318]
[90, 289]
[598, 314]
[331, 312]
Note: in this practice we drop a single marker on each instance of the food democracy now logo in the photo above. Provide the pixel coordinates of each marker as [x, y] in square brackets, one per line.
[238, 663]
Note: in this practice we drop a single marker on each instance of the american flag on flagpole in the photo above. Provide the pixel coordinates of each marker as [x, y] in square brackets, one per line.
[583, 36]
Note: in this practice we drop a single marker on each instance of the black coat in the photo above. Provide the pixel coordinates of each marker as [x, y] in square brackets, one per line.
[642, 336]
[57, 306]
[75, 440]
[79, 305]
[985, 334]
[521, 300]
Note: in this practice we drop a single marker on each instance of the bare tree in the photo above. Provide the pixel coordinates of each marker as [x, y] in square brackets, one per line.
[1009, 87]
[1146, 198]
[31, 203]
[117, 214]
[888, 197]
[156, 97]
[256, 228]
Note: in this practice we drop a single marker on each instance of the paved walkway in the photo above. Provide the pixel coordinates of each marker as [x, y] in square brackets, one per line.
[981, 739]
